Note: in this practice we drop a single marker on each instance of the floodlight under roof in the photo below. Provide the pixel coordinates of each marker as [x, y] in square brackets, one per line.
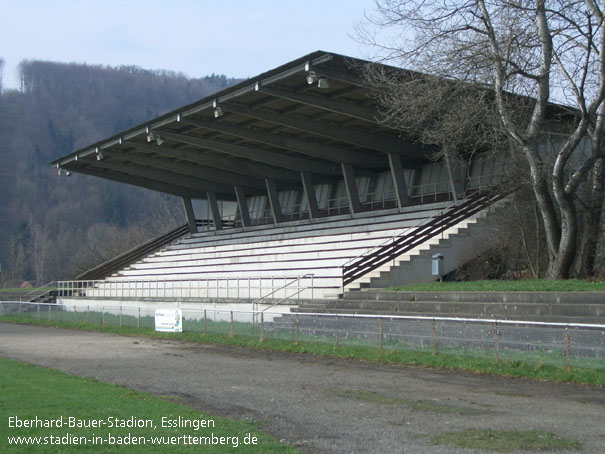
[311, 77]
[323, 82]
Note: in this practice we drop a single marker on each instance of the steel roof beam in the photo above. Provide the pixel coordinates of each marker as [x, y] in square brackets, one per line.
[378, 142]
[309, 148]
[170, 178]
[146, 183]
[256, 154]
[205, 173]
[240, 167]
[341, 107]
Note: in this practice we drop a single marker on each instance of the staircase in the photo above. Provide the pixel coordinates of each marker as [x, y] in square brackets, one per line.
[405, 259]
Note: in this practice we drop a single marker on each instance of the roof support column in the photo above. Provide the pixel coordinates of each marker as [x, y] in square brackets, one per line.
[242, 205]
[398, 179]
[307, 181]
[460, 170]
[274, 201]
[190, 215]
[353, 195]
[214, 211]
[450, 173]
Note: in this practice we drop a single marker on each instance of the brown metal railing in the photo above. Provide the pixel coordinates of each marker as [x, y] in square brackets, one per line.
[111, 266]
[409, 239]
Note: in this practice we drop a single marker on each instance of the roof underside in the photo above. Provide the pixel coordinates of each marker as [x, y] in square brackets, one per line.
[272, 127]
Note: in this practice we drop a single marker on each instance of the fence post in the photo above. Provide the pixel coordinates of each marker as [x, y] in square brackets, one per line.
[262, 327]
[61, 312]
[120, 315]
[568, 348]
[380, 335]
[231, 326]
[336, 339]
[88, 314]
[204, 332]
[434, 339]
[49, 309]
[296, 341]
[496, 343]
[38, 311]
[102, 315]
[139, 318]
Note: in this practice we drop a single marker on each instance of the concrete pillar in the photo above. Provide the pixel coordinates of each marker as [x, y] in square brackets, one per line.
[274, 201]
[399, 182]
[351, 187]
[243, 206]
[190, 214]
[307, 181]
[214, 211]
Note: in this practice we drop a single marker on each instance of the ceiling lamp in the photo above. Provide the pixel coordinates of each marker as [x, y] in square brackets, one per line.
[218, 112]
[159, 140]
[100, 156]
[311, 77]
[323, 82]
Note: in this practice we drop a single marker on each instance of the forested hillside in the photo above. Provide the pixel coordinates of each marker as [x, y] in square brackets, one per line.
[53, 227]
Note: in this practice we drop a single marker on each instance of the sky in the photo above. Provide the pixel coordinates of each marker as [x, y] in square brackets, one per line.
[237, 38]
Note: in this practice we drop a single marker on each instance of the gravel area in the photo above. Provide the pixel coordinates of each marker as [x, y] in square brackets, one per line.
[319, 405]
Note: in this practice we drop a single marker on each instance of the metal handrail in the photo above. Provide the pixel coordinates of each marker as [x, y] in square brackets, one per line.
[257, 301]
[472, 205]
[362, 316]
[134, 254]
[48, 284]
[400, 234]
[169, 287]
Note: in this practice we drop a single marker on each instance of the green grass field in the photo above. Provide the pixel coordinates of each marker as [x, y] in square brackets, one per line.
[529, 366]
[488, 440]
[28, 392]
[533, 285]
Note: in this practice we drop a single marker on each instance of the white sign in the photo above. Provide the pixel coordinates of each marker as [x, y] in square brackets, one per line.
[170, 320]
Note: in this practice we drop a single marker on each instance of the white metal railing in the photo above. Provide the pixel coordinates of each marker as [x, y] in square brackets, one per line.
[195, 288]
[562, 344]
[290, 285]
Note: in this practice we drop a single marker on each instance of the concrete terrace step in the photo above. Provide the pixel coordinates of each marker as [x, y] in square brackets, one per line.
[485, 297]
[366, 218]
[471, 315]
[457, 307]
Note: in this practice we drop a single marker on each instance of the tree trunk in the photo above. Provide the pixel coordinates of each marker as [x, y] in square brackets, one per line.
[585, 266]
[560, 266]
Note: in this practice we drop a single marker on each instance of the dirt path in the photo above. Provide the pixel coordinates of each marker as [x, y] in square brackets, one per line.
[319, 405]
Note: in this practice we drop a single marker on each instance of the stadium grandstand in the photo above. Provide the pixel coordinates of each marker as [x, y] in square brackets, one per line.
[292, 190]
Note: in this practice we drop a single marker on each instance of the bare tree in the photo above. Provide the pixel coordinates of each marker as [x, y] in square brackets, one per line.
[528, 54]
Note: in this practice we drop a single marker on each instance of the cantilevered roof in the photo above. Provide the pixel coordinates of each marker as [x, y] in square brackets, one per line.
[270, 127]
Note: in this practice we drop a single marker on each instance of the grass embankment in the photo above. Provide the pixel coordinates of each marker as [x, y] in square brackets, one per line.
[30, 392]
[452, 361]
[534, 285]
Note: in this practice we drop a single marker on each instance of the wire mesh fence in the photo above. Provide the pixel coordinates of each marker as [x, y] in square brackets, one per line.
[558, 344]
